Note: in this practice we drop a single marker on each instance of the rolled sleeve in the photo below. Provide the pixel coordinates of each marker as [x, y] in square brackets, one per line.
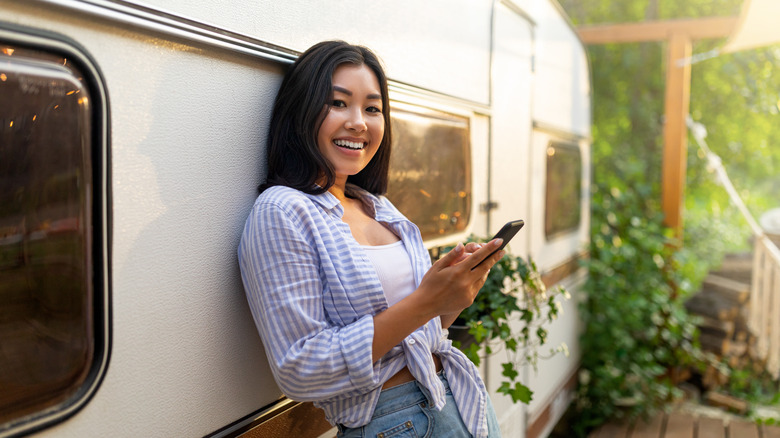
[311, 358]
[356, 347]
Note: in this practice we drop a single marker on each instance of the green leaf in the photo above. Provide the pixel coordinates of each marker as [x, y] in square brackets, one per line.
[473, 353]
[509, 371]
[519, 393]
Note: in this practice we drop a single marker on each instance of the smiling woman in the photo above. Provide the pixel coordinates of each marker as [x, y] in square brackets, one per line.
[339, 282]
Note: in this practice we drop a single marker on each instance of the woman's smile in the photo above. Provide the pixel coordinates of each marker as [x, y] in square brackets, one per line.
[350, 144]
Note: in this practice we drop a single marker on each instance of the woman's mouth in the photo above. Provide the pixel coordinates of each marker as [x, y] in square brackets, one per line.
[354, 145]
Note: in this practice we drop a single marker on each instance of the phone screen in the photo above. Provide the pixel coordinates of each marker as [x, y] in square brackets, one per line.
[507, 232]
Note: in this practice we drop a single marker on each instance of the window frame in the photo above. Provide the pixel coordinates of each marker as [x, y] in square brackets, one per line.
[445, 116]
[574, 147]
[41, 40]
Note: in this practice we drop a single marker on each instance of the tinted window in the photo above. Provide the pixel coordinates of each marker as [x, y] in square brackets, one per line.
[564, 189]
[50, 234]
[430, 169]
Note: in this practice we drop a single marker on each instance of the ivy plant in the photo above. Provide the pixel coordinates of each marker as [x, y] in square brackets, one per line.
[638, 336]
[512, 310]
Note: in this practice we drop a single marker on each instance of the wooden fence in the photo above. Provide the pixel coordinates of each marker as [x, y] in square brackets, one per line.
[764, 312]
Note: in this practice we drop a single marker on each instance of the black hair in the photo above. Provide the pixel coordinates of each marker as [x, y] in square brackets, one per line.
[294, 159]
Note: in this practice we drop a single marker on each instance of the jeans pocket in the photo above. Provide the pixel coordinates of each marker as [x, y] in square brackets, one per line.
[412, 422]
[404, 430]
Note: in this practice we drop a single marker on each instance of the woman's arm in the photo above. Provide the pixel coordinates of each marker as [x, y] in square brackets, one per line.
[311, 358]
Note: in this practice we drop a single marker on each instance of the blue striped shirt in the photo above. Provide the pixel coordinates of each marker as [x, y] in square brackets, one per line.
[313, 292]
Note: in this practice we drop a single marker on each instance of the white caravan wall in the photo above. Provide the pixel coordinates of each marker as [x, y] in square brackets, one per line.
[562, 89]
[441, 45]
[509, 166]
[561, 111]
[186, 125]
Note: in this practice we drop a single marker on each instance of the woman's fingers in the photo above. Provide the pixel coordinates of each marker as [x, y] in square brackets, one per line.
[472, 247]
[454, 282]
[451, 257]
[481, 254]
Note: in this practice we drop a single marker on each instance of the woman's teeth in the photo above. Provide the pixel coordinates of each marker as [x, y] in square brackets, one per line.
[349, 144]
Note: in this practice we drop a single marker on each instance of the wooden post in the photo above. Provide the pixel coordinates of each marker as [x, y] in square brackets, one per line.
[678, 34]
[675, 154]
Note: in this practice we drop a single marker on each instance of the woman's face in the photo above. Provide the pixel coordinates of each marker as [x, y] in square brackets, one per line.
[353, 128]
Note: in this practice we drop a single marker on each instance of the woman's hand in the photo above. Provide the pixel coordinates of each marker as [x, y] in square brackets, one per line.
[451, 285]
[446, 289]
[447, 319]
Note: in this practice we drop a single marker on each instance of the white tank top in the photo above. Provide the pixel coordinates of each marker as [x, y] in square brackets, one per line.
[394, 267]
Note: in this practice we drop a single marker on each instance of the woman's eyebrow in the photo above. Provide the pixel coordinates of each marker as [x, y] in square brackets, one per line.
[349, 93]
[342, 90]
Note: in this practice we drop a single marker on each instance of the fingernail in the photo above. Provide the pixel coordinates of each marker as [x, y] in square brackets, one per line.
[459, 247]
[498, 242]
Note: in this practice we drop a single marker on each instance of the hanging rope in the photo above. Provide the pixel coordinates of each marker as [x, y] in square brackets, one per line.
[765, 285]
[715, 164]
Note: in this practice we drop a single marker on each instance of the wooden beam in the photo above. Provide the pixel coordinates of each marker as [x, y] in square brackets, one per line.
[679, 34]
[698, 28]
[675, 154]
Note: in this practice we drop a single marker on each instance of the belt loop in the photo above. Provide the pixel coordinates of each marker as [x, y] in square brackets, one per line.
[426, 393]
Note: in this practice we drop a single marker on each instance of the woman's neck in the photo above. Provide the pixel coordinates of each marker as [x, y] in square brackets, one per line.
[338, 189]
[338, 192]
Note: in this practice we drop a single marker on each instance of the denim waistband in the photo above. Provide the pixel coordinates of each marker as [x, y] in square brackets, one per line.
[405, 394]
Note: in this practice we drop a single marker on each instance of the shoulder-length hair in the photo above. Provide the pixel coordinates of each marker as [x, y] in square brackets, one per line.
[294, 158]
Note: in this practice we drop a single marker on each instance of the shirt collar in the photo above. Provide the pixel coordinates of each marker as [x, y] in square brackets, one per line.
[374, 204]
[328, 200]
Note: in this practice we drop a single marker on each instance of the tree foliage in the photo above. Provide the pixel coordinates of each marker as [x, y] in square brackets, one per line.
[636, 330]
[735, 96]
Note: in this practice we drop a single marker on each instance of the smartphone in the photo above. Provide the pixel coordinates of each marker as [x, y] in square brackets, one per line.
[507, 232]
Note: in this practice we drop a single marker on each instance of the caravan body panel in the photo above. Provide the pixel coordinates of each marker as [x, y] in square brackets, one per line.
[190, 87]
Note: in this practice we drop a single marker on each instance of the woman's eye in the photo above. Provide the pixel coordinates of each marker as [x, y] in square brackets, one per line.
[373, 109]
[338, 103]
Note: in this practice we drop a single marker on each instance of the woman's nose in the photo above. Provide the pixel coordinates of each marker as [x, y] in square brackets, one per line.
[356, 122]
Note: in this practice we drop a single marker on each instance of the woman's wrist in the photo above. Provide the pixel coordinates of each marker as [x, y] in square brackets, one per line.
[448, 319]
[422, 301]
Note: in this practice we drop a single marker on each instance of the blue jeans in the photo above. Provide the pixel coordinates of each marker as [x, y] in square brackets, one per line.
[405, 411]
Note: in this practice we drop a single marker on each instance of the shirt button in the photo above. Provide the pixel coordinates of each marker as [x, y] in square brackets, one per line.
[412, 342]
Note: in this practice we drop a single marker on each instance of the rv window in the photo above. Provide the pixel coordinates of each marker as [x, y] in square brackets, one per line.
[563, 194]
[430, 169]
[49, 265]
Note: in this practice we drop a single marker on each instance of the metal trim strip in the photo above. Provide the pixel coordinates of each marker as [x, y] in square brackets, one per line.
[560, 132]
[178, 26]
[282, 418]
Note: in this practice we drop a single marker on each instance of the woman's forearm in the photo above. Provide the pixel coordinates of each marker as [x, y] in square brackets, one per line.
[396, 323]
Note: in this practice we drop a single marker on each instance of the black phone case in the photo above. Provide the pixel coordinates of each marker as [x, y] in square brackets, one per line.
[507, 232]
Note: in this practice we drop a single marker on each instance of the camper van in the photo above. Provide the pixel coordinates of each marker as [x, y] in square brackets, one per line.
[131, 148]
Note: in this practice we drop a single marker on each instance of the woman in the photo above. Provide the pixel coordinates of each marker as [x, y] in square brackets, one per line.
[341, 288]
